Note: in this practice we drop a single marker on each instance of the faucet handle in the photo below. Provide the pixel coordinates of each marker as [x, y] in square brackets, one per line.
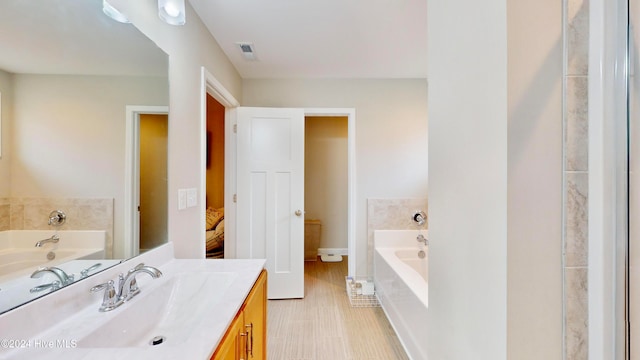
[110, 300]
[52, 285]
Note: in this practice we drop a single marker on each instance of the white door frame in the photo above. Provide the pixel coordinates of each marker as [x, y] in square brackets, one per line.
[210, 85]
[132, 175]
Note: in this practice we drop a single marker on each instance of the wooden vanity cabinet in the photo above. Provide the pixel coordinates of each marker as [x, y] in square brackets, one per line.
[246, 338]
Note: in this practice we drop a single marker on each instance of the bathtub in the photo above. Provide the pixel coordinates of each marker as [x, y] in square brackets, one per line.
[19, 256]
[401, 281]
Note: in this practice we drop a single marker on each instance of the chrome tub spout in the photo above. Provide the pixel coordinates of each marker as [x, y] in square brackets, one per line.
[53, 239]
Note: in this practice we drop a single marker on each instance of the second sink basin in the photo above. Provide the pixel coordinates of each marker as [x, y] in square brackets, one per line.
[167, 312]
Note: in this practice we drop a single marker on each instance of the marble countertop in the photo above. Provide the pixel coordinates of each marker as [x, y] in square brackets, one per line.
[34, 330]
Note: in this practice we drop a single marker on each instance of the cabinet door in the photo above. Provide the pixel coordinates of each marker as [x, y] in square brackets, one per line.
[232, 346]
[255, 319]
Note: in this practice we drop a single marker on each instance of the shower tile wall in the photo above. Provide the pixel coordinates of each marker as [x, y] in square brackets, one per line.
[391, 214]
[575, 252]
[82, 214]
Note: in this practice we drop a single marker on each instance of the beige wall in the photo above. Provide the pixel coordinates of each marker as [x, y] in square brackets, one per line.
[534, 248]
[189, 47]
[325, 178]
[495, 180]
[80, 136]
[6, 89]
[153, 180]
[391, 134]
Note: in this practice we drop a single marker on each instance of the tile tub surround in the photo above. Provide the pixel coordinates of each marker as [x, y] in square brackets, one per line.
[31, 321]
[82, 214]
[391, 214]
[401, 290]
[5, 215]
[576, 173]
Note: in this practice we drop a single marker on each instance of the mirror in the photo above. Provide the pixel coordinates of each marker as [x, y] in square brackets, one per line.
[67, 76]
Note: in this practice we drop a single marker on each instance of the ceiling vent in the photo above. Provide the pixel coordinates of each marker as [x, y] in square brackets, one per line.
[247, 51]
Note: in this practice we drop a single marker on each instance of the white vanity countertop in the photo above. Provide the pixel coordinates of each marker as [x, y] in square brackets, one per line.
[34, 330]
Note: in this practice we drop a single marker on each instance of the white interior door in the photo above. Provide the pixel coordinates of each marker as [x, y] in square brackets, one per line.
[270, 195]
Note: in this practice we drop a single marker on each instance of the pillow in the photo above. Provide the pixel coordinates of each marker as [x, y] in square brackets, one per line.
[213, 217]
[219, 230]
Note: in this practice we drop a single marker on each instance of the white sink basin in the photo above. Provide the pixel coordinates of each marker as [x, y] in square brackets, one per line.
[170, 310]
[191, 306]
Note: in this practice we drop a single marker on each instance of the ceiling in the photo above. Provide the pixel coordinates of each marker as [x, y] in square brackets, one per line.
[73, 37]
[321, 38]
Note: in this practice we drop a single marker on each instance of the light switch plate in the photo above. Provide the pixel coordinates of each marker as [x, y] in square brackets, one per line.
[192, 197]
[182, 199]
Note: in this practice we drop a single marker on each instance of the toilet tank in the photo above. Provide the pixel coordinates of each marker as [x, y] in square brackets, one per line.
[311, 239]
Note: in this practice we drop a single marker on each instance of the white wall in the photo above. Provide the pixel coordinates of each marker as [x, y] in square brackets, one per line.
[495, 180]
[68, 136]
[189, 47]
[6, 89]
[467, 179]
[391, 134]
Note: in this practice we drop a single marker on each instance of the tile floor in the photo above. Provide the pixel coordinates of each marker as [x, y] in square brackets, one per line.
[324, 326]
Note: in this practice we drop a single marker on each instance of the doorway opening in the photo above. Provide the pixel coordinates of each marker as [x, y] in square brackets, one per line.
[146, 174]
[212, 89]
[326, 172]
[215, 189]
[153, 202]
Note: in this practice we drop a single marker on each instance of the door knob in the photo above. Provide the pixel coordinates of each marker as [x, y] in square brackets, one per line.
[298, 213]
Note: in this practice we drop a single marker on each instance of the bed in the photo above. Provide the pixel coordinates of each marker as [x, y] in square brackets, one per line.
[215, 233]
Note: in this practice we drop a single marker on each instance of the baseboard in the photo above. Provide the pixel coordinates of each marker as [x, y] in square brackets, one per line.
[334, 251]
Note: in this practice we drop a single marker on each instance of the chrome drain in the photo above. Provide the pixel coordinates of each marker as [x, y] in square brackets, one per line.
[157, 340]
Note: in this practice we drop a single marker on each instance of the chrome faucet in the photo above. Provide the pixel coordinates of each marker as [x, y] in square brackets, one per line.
[423, 239]
[53, 239]
[59, 273]
[127, 287]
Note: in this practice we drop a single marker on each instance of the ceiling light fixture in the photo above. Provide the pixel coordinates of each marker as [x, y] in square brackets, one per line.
[111, 12]
[172, 11]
